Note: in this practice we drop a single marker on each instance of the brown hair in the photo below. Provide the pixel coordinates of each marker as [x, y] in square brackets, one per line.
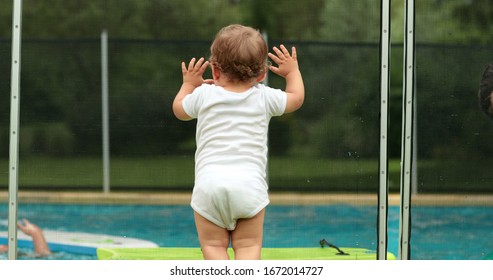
[240, 52]
[486, 90]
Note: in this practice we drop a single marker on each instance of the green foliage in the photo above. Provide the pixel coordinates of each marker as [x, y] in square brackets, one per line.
[475, 19]
[154, 19]
[349, 21]
[321, 20]
[329, 143]
[277, 20]
[338, 51]
[50, 138]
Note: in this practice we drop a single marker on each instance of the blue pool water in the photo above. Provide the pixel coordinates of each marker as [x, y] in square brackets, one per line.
[437, 232]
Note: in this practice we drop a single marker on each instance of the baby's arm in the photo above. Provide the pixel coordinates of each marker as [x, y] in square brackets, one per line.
[288, 69]
[192, 78]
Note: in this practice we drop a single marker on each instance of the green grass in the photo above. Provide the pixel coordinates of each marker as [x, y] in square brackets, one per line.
[285, 173]
[84, 172]
[311, 174]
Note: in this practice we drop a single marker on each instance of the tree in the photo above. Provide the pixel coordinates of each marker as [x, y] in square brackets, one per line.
[277, 20]
[476, 19]
[351, 21]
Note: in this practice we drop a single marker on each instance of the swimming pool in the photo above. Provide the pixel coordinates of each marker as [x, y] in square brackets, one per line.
[437, 232]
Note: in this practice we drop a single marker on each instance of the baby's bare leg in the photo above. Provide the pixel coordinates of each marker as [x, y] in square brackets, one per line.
[214, 240]
[247, 237]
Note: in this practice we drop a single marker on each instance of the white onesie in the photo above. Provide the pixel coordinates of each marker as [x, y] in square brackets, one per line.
[231, 155]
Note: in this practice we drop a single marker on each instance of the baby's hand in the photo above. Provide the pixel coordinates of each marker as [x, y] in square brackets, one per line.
[193, 75]
[286, 63]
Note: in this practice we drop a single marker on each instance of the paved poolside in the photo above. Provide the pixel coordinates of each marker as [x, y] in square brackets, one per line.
[285, 198]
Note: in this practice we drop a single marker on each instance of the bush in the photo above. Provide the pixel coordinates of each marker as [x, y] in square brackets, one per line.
[46, 138]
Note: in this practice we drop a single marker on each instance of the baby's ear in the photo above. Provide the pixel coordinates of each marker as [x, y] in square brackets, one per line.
[215, 72]
[262, 77]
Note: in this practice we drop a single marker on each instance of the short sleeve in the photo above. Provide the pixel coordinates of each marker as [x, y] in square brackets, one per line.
[191, 103]
[275, 100]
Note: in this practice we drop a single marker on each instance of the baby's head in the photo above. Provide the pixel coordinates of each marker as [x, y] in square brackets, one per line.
[240, 53]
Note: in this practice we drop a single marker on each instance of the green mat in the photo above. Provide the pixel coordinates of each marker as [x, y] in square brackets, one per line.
[173, 253]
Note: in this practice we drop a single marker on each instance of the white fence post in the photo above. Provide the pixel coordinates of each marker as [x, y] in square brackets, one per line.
[14, 128]
[407, 132]
[384, 108]
[105, 111]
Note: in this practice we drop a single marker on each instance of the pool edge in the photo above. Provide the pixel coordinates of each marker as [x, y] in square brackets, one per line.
[284, 198]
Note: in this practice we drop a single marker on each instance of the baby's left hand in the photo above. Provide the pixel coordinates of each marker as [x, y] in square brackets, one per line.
[193, 75]
[287, 63]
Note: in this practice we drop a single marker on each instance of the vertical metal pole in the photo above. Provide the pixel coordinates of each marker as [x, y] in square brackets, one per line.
[105, 111]
[265, 82]
[384, 107]
[414, 179]
[407, 132]
[266, 38]
[14, 128]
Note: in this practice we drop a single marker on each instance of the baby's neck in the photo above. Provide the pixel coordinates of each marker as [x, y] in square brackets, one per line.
[237, 87]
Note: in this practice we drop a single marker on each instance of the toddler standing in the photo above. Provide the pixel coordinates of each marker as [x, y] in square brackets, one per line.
[233, 111]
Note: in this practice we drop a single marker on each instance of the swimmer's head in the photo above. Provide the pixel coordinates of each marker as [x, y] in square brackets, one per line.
[4, 248]
[485, 93]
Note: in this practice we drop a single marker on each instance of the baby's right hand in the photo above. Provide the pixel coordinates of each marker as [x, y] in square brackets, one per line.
[286, 63]
[193, 74]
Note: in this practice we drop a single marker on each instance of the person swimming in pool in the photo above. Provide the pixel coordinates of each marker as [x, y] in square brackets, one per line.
[485, 93]
[41, 247]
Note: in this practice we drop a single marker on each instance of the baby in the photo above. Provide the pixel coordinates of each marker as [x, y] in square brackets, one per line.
[233, 111]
